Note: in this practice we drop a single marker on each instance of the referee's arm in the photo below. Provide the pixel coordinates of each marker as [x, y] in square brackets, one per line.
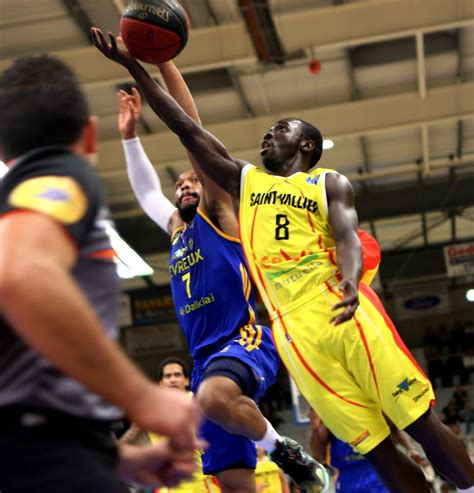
[44, 305]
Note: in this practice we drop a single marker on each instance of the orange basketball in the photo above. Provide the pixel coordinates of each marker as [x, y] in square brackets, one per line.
[154, 31]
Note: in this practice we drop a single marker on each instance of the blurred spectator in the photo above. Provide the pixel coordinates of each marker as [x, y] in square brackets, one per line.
[269, 477]
[461, 398]
[451, 414]
[430, 342]
[455, 367]
[457, 337]
[468, 342]
[436, 370]
[444, 337]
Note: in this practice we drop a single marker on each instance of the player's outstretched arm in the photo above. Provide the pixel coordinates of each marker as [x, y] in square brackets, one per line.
[344, 222]
[210, 155]
[211, 192]
[143, 178]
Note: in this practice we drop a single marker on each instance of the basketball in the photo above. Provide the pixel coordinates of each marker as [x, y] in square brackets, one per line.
[154, 31]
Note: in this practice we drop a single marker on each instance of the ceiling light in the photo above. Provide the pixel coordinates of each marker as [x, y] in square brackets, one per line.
[129, 263]
[327, 144]
[3, 169]
[470, 295]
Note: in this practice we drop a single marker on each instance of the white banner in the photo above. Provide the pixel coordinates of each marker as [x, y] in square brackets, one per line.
[125, 311]
[459, 259]
[301, 406]
[421, 302]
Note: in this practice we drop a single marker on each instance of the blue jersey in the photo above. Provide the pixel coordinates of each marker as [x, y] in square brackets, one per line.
[212, 292]
[356, 475]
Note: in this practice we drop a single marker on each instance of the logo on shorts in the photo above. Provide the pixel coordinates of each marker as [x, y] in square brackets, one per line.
[403, 386]
[419, 396]
[363, 436]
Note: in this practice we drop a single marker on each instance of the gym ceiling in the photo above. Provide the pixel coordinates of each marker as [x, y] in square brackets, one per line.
[395, 92]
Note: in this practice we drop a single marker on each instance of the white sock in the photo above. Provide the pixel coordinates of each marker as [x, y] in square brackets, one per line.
[468, 490]
[268, 442]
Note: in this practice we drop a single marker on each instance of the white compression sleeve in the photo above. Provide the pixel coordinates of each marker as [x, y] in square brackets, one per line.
[146, 184]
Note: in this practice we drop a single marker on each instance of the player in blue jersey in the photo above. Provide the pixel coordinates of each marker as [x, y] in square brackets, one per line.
[234, 357]
[354, 472]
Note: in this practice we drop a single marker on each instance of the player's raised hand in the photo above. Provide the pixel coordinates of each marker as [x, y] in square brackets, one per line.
[112, 51]
[130, 106]
[350, 302]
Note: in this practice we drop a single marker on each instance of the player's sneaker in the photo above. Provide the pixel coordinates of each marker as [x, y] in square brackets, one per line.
[300, 466]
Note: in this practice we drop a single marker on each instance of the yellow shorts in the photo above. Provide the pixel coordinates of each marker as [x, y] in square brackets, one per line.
[353, 372]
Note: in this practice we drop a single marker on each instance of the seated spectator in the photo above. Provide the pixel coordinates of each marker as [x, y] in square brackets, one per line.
[451, 414]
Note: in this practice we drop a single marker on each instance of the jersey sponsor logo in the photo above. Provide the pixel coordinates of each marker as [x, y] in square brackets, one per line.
[276, 275]
[312, 180]
[298, 275]
[196, 304]
[353, 457]
[359, 439]
[176, 237]
[59, 197]
[266, 261]
[272, 198]
[403, 386]
[180, 253]
[186, 263]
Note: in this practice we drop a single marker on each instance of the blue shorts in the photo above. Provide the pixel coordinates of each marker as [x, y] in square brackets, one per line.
[260, 364]
[359, 479]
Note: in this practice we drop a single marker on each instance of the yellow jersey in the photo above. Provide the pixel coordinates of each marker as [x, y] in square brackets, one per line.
[286, 236]
[267, 476]
[199, 483]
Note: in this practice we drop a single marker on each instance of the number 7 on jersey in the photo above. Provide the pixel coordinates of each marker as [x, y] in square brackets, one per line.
[187, 279]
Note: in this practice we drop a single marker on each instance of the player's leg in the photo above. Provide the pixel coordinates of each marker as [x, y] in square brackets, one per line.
[227, 395]
[444, 449]
[337, 371]
[222, 400]
[406, 394]
[232, 458]
[237, 481]
[397, 471]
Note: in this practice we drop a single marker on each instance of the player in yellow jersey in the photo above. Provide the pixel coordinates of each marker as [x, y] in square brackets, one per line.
[299, 233]
[270, 478]
[173, 374]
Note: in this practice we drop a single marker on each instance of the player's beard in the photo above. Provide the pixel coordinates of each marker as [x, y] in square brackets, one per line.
[188, 212]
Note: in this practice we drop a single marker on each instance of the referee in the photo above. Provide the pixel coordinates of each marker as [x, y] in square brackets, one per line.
[63, 381]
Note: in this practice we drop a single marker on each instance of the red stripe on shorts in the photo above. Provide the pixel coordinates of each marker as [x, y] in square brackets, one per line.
[364, 341]
[310, 370]
[370, 294]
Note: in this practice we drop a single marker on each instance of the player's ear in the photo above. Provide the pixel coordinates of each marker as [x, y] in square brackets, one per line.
[307, 146]
[89, 136]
